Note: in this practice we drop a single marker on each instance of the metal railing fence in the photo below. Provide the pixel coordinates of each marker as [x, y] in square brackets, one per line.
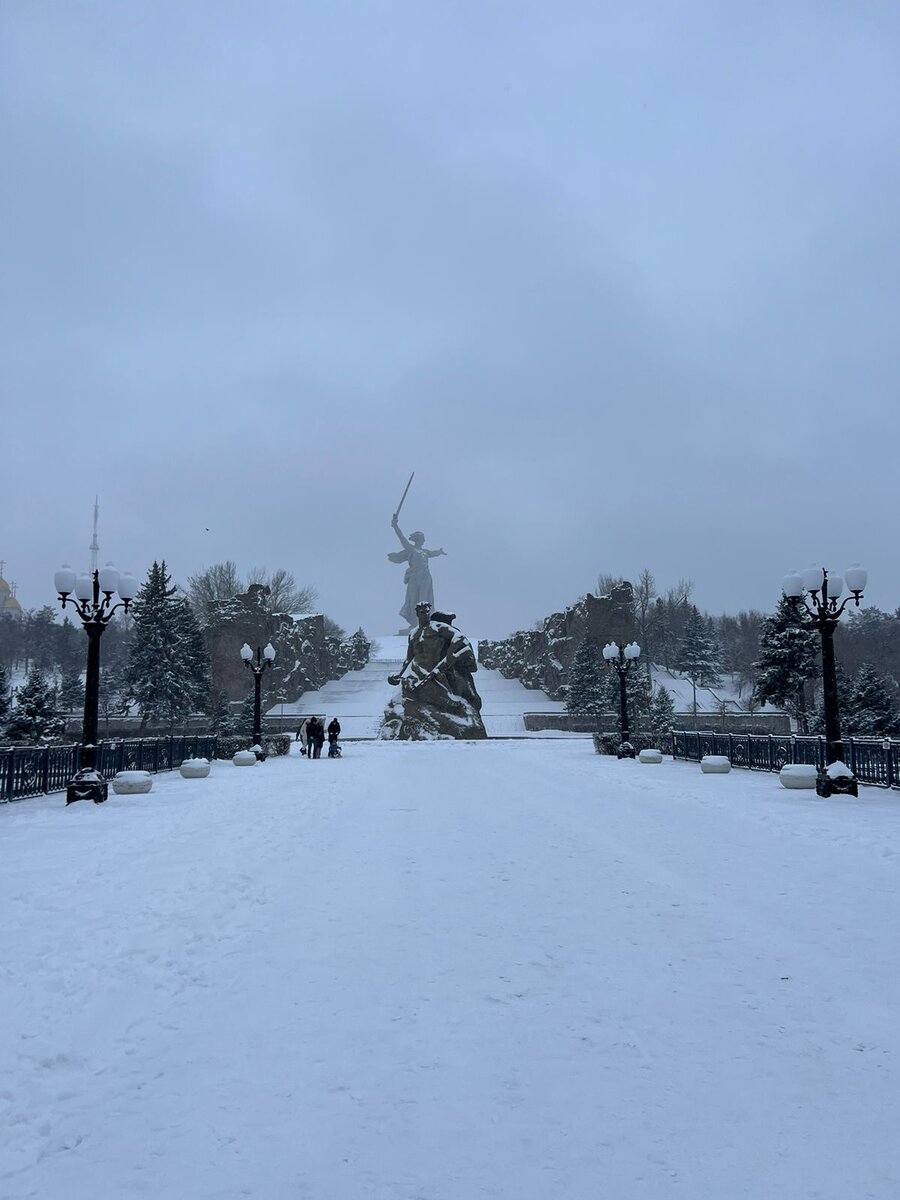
[872, 760]
[38, 770]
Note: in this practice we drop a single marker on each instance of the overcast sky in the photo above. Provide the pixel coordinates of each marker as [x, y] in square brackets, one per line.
[620, 282]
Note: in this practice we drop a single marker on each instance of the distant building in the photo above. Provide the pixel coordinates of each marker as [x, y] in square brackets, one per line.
[9, 605]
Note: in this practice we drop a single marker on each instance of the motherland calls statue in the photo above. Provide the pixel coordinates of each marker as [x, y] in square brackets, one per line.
[439, 696]
[419, 585]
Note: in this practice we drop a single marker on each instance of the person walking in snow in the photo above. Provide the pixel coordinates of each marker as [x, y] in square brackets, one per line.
[315, 736]
[334, 731]
[301, 735]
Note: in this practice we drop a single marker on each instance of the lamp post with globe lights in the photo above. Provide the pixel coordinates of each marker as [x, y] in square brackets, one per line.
[264, 658]
[819, 593]
[92, 597]
[622, 659]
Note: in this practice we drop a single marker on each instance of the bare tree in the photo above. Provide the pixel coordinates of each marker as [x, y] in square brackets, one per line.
[332, 629]
[218, 582]
[285, 595]
[644, 601]
[606, 583]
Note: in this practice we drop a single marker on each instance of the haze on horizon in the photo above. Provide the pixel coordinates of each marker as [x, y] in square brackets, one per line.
[620, 283]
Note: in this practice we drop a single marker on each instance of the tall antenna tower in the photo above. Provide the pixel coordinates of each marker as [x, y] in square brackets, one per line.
[95, 545]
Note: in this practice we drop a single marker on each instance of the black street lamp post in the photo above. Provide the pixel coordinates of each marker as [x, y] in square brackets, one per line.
[264, 658]
[622, 659]
[93, 601]
[824, 613]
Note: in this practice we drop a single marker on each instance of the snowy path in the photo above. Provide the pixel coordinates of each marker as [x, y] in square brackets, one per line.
[448, 972]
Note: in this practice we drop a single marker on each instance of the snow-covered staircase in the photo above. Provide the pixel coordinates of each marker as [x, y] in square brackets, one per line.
[359, 699]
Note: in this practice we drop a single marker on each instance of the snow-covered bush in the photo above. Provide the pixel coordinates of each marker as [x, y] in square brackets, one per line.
[274, 745]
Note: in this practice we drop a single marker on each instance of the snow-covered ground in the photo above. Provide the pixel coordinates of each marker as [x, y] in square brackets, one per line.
[509, 969]
[359, 698]
[709, 699]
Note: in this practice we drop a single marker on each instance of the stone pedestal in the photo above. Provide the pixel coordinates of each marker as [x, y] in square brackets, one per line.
[650, 756]
[132, 783]
[715, 764]
[798, 775]
[194, 768]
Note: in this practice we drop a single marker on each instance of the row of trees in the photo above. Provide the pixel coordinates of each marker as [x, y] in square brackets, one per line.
[773, 658]
[789, 668]
[154, 660]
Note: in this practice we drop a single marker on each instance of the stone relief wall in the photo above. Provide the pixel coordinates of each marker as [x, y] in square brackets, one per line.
[541, 658]
[306, 657]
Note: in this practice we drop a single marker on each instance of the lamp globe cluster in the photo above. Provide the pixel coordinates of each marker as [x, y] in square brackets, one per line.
[817, 593]
[92, 594]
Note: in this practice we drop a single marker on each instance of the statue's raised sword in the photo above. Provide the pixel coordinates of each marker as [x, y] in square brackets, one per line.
[403, 497]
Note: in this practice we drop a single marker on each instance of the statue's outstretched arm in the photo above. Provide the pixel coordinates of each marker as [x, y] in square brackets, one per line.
[404, 542]
[435, 553]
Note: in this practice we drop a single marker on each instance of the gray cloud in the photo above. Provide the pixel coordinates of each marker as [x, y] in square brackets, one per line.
[622, 287]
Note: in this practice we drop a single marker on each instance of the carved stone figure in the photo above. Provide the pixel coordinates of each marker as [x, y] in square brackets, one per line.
[439, 696]
[419, 584]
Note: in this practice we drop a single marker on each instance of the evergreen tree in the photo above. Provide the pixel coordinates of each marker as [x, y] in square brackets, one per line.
[871, 707]
[868, 635]
[41, 637]
[789, 659]
[34, 719]
[662, 714]
[638, 690]
[360, 649]
[220, 720]
[70, 694]
[589, 682]
[817, 720]
[114, 693]
[70, 646]
[5, 694]
[168, 665]
[699, 657]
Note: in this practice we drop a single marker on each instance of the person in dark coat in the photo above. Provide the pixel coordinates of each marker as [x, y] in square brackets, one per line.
[315, 735]
[334, 731]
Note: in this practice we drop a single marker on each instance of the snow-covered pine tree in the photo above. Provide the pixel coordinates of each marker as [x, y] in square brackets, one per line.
[70, 693]
[589, 682]
[360, 649]
[817, 718]
[789, 659]
[871, 708]
[662, 716]
[699, 656]
[243, 722]
[194, 654]
[639, 691]
[168, 665]
[220, 720]
[34, 720]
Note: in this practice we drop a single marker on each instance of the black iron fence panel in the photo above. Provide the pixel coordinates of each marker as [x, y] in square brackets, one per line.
[707, 742]
[37, 770]
[62, 765]
[782, 752]
[740, 750]
[25, 771]
[872, 760]
[808, 750]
